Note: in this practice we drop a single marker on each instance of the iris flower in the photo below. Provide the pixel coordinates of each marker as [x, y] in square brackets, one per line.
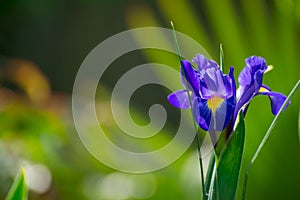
[215, 102]
[250, 85]
[213, 94]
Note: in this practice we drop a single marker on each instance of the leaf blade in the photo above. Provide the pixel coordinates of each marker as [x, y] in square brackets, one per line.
[230, 163]
[18, 190]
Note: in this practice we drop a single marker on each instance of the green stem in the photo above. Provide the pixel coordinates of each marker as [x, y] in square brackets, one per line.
[209, 175]
[266, 137]
[176, 43]
[211, 189]
[201, 164]
[245, 184]
[221, 58]
[195, 126]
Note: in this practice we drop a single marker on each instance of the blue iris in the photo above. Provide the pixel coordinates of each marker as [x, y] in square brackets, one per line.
[215, 102]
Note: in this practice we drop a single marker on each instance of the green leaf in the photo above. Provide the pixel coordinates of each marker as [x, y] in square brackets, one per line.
[299, 125]
[18, 190]
[230, 163]
[209, 175]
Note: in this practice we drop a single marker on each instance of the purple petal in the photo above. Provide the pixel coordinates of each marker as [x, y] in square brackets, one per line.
[256, 63]
[202, 113]
[252, 73]
[245, 79]
[250, 80]
[224, 113]
[245, 98]
[277, 99]
[180, 99]
[208, 83]
[229, 83]
[212, 83]
[258, 79]
[199, 60]
[203, 63]
[191, 76]
[213, 118]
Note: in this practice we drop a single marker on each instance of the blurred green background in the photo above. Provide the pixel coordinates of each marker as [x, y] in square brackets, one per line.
[42, 45]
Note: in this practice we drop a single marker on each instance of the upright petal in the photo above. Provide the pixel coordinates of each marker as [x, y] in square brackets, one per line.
[200, 60]
[244, 79]
[229, 83]
[209, 80]
[256, 63]
[252, 74]
[214, 83]
[203, 63]
[191, 76]
[250, 80]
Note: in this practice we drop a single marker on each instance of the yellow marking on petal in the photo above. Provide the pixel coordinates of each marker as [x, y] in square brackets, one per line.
[269, 68]
[262, 89]
[214, 103]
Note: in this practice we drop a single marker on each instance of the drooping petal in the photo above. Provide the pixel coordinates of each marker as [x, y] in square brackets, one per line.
[224, 114]
[213, 114]
[179, 99]
[277, 99]
[202, 113]
[191, 76]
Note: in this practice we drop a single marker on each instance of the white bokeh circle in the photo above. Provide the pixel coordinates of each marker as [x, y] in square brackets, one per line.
[83, 100]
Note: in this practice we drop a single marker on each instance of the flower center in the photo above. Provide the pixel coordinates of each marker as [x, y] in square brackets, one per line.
[214, 103]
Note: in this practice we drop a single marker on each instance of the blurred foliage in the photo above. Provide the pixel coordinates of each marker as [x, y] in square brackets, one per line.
[42, 45]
